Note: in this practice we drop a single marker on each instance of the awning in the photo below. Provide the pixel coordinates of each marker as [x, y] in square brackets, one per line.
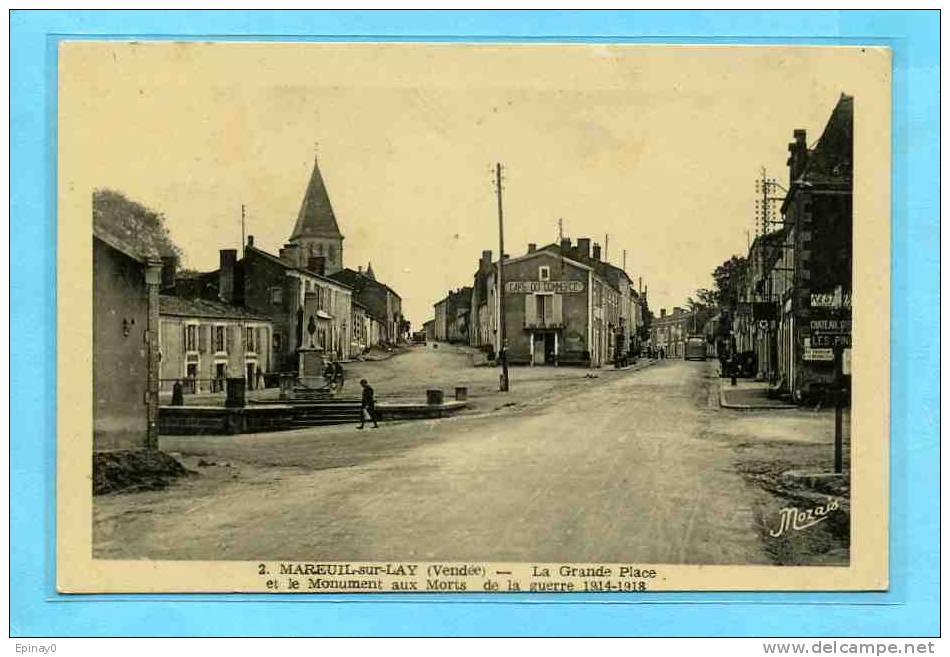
[322, 314]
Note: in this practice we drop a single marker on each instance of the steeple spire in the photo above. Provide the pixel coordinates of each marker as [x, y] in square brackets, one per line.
[316, 218]
[369, 271]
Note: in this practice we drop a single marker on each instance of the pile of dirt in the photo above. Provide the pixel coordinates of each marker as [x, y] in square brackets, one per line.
[134, 470]
[825, 542]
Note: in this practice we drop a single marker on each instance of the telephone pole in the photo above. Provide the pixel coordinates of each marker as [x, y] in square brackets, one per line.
[243, 239]
[502, 339]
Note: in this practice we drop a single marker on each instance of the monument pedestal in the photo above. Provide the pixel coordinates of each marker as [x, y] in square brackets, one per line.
[310, 369]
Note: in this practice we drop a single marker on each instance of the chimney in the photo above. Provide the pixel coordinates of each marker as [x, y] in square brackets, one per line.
[596, 254]
[532, 247]
[662, 312]
[798, 155]
[228, 259]
[359, 269]
[317, 264]
[291, 254]
[565, 244]
[169, 265]
[583, 246]
[250, 240]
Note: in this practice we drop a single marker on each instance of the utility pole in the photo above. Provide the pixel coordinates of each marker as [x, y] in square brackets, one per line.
[502, 339]
[243, 239]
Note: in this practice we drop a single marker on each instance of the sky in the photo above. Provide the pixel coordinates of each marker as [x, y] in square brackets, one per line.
[657, 147]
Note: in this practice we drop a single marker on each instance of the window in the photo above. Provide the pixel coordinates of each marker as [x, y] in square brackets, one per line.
[543, 303]
[191, 337]
[544, 273]
[277, 342]
[276, 296]
[219, 344]
[251, 343]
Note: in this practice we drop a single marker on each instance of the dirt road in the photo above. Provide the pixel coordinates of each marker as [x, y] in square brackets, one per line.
[620, 470]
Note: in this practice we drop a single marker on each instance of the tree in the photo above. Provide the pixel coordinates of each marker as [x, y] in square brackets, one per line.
[728, 278]
[708, 297]
[142, 228]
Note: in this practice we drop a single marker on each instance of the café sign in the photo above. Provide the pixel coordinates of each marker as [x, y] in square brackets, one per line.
[529, 287]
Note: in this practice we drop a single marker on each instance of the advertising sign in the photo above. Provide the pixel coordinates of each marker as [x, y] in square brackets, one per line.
[836, 300]
[811, 353]
[830, 325]
[831, 340]
[528, 287]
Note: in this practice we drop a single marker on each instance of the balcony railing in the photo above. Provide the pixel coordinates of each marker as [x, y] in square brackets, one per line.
[539, 324]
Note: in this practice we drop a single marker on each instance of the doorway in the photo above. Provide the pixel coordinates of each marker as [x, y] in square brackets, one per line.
[549, 348]
[538, 351]
[220, 376]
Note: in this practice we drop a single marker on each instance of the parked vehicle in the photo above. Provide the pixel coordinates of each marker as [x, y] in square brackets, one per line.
[695, 348]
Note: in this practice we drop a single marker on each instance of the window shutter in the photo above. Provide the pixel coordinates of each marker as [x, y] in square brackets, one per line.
[231, 338]
[557, 309]
[203, 337]
[530, 310]
[184, 338]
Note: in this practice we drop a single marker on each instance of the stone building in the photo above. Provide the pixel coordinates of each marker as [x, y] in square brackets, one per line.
[815, 267]
[381, 302]
[755, 320]
[562, 308]
[202, 343]
[287, 290]
[366, 329]
[452, 316]
[129, 250]
[670, 330]
[481, 316]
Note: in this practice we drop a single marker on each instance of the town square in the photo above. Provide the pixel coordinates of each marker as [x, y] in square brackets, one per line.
[343, 367]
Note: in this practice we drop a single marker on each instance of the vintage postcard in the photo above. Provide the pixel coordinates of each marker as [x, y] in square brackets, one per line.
[373, 317]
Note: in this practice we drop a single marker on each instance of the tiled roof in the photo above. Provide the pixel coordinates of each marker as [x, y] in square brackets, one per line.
[830, 161]
[357, 280]
[170, 305]
[287, 265]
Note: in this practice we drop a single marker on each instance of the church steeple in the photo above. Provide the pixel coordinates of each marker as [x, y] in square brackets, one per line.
[369, 271]
[316, 228]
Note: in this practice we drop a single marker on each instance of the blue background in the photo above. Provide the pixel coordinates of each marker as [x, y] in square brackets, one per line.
[909, 608]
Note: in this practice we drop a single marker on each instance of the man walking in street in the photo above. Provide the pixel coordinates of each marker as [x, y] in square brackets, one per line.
[367, 405]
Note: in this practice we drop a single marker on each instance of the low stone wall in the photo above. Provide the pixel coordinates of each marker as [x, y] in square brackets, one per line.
[199, 420]
[257, 418]
[402, 411]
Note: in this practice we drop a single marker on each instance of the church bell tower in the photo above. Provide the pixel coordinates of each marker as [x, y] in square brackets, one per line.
[316, 231]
